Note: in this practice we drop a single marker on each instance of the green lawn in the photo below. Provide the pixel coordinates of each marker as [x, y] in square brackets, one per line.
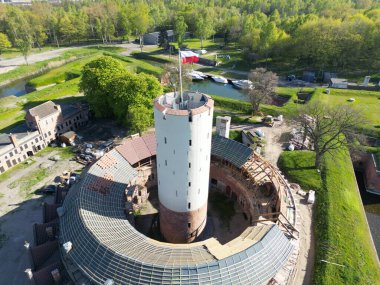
[6, 175]
[12, 110]
[61, 74]
[236, 135]
[29, 180]
[63, 152]
[25, 70]
[341, 231]
[9, 116]
[298, 167]
[368, 102]
[138, 65]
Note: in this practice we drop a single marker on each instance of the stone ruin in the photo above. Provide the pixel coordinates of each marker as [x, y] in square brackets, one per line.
[135, 197]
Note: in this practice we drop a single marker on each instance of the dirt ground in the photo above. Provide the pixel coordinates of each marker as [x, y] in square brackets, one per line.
[222, 232]
[18, 214]
[276, 140]
[305, 264]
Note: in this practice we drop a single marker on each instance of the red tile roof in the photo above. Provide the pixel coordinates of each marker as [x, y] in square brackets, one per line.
[139, 148]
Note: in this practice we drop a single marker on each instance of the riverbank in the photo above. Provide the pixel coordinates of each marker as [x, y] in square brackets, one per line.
[344, 251]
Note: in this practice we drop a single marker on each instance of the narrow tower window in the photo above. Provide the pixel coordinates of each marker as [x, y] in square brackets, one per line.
[189, 142]
[166, 162]
[165, 140]
[189, 225]
[189, 164]
[189, 183]
[189, 205]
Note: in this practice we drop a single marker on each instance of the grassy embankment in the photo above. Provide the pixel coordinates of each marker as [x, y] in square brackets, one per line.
[12, 109]
[341, 231]
[27, 70]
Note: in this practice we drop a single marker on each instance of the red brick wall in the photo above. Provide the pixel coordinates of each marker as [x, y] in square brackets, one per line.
[175, 228]
[372, 176]
[233, 187]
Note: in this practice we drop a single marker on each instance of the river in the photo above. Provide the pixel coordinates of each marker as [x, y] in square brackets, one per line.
[14, 89]
[371, 204]
[208, 86]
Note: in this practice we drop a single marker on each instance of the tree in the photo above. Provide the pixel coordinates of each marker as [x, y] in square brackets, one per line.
[95, 84]
[133, 89]
[203, 27]
[163, 39]
[140, 118]
[141, 21]
[180, 27]
[264, 84]
[24, 44]
[4, 42]
[328, 126]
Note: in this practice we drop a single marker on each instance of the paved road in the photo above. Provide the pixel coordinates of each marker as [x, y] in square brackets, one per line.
[12, 63]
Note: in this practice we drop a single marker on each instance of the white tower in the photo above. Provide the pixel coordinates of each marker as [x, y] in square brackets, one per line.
[183, 134]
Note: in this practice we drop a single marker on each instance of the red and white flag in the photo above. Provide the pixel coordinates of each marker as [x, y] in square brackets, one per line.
[189, 57]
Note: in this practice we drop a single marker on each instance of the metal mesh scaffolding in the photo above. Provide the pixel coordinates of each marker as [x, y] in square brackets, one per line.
[106, 246]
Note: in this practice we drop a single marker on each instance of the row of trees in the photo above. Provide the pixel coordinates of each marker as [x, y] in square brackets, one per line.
[113, 92]
[317, 32]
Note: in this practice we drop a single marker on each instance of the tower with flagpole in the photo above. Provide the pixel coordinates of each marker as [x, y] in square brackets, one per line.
[183, 132]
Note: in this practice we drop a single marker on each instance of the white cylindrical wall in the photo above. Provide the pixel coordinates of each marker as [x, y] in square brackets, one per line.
[183, 170]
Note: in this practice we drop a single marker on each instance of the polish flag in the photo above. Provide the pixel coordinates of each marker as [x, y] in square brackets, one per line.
[189, 57]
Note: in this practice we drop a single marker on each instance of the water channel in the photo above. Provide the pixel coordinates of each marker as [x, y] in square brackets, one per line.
[208, 86]
[371, 204]
[14, 89]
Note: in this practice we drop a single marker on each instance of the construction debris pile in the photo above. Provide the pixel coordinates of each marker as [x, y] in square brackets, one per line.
[135, 197]
[299, 140]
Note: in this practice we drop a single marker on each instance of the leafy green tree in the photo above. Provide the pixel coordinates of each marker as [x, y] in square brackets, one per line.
[95, 84]
[66, 29]
[133, 89]
[139, 118]
[4, 42]
[24, 44]
[203, 27]
[141, 21]
[180, 28]
[269, 36]
[123, 25]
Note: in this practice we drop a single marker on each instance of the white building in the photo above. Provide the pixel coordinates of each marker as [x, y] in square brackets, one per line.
[183, 134]
[223, 126]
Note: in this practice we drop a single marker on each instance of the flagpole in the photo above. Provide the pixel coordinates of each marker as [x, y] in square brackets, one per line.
[180, 73]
